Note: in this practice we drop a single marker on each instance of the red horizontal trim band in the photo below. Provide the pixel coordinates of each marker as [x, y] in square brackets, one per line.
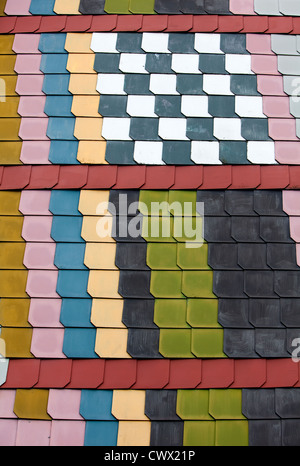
[152, 374]
[143, 23]
[149, 177]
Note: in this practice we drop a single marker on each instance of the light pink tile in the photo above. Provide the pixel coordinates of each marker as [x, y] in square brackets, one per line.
[7, 402]
[67, 433]
[37, 229]
[242, 7]
[39, 256]
[8, 432]
[35, 152]
[291, 202]
[30, 84]
[281, 129]
[26, 43]
[35, 202]
[295, 228]
[34, 129]
[287, 152]
[264, 64]
[45, 313]
[259, 44]
[32, 106]
[47, 343]
[42, 284]
[33, 433]
[277, 107]
[298, 254]
[17, 7]
[28, 64]
[270, 85]
[64, 404]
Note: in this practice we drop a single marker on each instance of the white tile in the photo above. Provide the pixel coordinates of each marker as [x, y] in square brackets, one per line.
[238, 63]
[289, 64]
[148, 152]
[195, 106]
[173, 129]
[228, 129]
[164, 84]
[284, 44]
[216, 84]
[111, 84]
[262, 152]
[208, 43]
[141, 106]
[155, 42]
[104, 42]
[249, 106]
[205, 152]
[267, 7]
[133, 63]
[185, 63]
[289, 7]
[116, 129]
[3, 369]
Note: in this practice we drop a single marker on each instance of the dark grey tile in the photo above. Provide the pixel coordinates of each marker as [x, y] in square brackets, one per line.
[169, 7]
[143, 343]
[131, 256]
[290, 312]
[239, 343]
[166, 434]
[113, 106]
[160, 405]
[138, 313]
[290, 432]
[255, 129]
[177, 153]
[259, 403]
[221, 7]
[92, 7]
[223, 256]
[200, 129]
[252, 256]
[214, 202]
[195, 7]
[268, 202]
[239, 202]
[190, 84]
[122, 230]
[243, 84]
[129, 42]
[265, 433]
[124, 202]
[259, 284]
[246, 229]
[144, 129]
[287, 284]
[233, 153]
[281, 256]
[159, 63]
[210, 63]
[228, 284]
[292, 342]
[135, 284]
[271, 343]
[222, 106]
[217, 230]
[168, 106]
[233, 313]
[119, 152]
[275, 229]
[181, 42]
[137, 84]
[265, 313]
[107, 63]
[233, 43]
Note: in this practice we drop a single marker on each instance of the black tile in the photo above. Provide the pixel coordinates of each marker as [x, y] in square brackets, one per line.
[131, 256]
[259, 403]
[92, 7]
[195, 7]
[124, 231]
[166, 434]
[135, 284]
[217, 230]
[275, 229]
[223, 256]
[167, 7]
[143, 343]
[265, 313]
[287, 284]
[239, 343]
[138, 313]
[265, 433]
[214, 202]
[287, 403]
[246, 229]
[268, 202]
[271, 343]
[220, 7]
[281, 256]
[238, 202]
[252, 256]
[290, 432]
[124, 202]
[293, 342]
[160, 405]
[290, 312]
[228, 284]
[233, 313]
[259, 284]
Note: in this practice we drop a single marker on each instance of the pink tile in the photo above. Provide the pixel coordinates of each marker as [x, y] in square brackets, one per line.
[30, 84]
[7, 402]
[37, 229]
[32, 106]
[283, 129]
[28, 64]
[295, 228]
[291, 202]
[67, 433]
[287, 152]
[35, 152]
[64, 404]
[33, 129]
[26, 43]
[17, 7]
[45, 313]
[33, 433]
[42, 284]
[270, 85]
[277, 107]
[8, 432]
[242, 7]
[264, 64]
[39, 256]
[47, 343]
[259, 44]
[35, 202]
[298, 254]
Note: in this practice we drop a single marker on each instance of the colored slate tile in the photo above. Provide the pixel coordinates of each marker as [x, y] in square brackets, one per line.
[290, 432]
[232, 433]
[222, 7]
[193, 404]
[244, 85]
[67, 433]
[72, 284]
[270, 343]
[218, 229]
[79, 343]
[138, 313]
[177, 153]
[199, 433]
[282, 256]
[258, 404]
[137, 84]
[255, 129]
[200, 129]
[134, 284]
[94, 7]
[234, 313]
[275, 229]
[60, 128]
[95, 405]
[269, 202]
[192, 258]
[58, 106]
[133, 433]
[286, 284]
[166, 433]
[259, 284]
[56, 84]
[131, 256]
[160, 405]
[141, 106]
[202, 313]
[286, 403]
[246, 229]
[164, 84]
[64, 202]
[143, 343]
[170, 313]
[162, 256]
[175, 343]
[212, 63]
[31, 404]
[233, 43]
[161, 7]
[225, 404]
[181, 43]
[189, 84]
[265, 433]
[223, 256]
[239, 343]
[233, 152]
[14, 313]
[252, 256]
[116, 6]
[101, 433]
[119, 152]
[207, 343]
[107, 63]
[11, 228]
[222, 106]
[166, 284]
[289, 314]
[158, 63]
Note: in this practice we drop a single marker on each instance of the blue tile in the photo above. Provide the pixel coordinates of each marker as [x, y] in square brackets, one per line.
[73, 283]
[42, 7]
[79, 343]
[56, 84]
[67, 229]
[52, 42]
[76, 313]
[70, 256]
[64, 202]
[101, 434]
[59, 106]
[96, 405]
[64, 152]
[61, 128]
[54, 63]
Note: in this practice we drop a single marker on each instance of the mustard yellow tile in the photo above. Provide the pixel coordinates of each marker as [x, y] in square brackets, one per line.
[17, 342]
[81, 63]
[2, 7]
[7, 86]
[129, 405]
[11, 228]
[134, 433]
[11, 256]
[106, 313]
[13, 283]
[79, 43]
[100, 256]
[88, 129]
[112, 343]
[10, 152]
[95, 229]
[32, 404]
[9, 202]
[66, 7]
[9, 129]
[7, 64]
[103, 284]
[6, 43]
[9, 108]
[14, 312]
[93, 202]
[86, 106]
[91, 152]
[83, 84]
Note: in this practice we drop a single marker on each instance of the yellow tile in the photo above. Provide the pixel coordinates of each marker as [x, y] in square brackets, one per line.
[93, 202]
[11, 228]
[66, 7]
[83, 84]
[9, 202]
[107, 313]
[88, 129]
[13, 283]
[2, 7]
[17, 342]
[7, 64]
[103, 284]
[100, 256]
[134, 433]
[81, 63]
[7, 86]
[14, 312]
[10, 152]
[11, 256]
[93, 229]
[79, 42]
[9, 129]
[112, 343]
[9, 108]
[86, 106]
[6, 43]
[129, 405]
[91, 152]
[32, 404]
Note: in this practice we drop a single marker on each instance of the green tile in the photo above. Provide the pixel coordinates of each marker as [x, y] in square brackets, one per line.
[158, 229]
[190, 84]
[177, 153]
[232, 433]
[168, 106]
[142, 7]
[117, 7]
[166, 284]
[222, 106]
[175, 343]
[192, 258]
[189, 230]
[199, 433]
[207, 343]
[137, 84]
[197, 284]
[170, 313]
[185, 199]
[233, 152]
[203, 313]
[161, 256]
[129, 42]
[193, 404]
[154, 202]
[226, 403]
[210, 63]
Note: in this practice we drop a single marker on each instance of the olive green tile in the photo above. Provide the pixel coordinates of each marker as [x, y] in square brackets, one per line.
[203, 313]
[154, 203]
[142, 7]
[175, 343]
[207, 343]
[119, 7]
[170, 313]
[182, 202]
[226, 403]
[161, 256]
[232, 433]
[199, 433]
[197, 284]
[11, 228]
[32, 404]
[192, 258]
[10, 152]
[193, 404]
[158, 229]
[14, 312]
[189, 229]
[11, 256]
[9, 202]
[166, 284]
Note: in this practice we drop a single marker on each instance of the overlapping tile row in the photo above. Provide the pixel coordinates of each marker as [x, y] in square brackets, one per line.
[150, 99]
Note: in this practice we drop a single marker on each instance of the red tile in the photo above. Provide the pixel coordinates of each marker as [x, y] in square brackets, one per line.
[188, 177]
[255, 24]
[80, 23]
[294, 178]
[296, 25]
[185, 373]
[152, 374]
[7, 24]
[54, 23]
[216, 177]
[180, 23]
[159, 177]
[280, 25]
[17, 177]
[54, 373]
[119, 374]
[43, 177]
[129, 23]
[153, 23]
[22, 373]
[205, 23]
[217, 373]
[130, 177]
[87, 373]
[274, 177]
[103, 23]
[245, 176]
[101, 177]
[27, 24]
[250, 373]
[72, 177]
[233, 23]
[281, 373]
